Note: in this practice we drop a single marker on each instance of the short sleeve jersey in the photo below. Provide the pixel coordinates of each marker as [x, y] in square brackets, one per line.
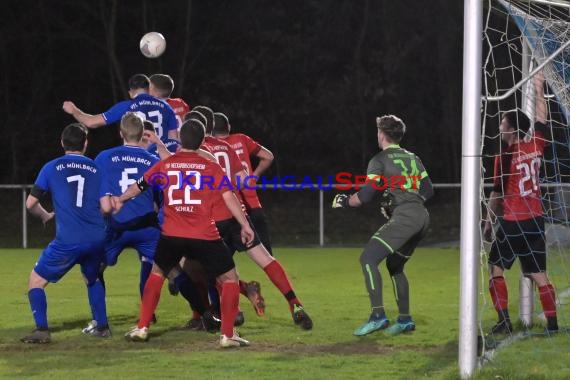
[245, 147]
[121, 167]
[73, 181]
[180, 108]
[231, 164]
[516, 176]
[190, 184]
[148, 107]
[398, 172]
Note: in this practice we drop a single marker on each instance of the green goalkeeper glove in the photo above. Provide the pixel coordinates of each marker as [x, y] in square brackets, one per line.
[340, 201]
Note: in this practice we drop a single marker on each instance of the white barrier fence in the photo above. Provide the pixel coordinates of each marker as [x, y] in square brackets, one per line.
[557, 200]
[26, 187]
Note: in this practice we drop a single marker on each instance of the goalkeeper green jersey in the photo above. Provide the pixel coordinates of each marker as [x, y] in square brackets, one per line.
[401, 175]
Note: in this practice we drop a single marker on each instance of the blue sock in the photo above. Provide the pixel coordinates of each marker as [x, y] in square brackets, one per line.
[96, 294]
[38, 303]
[146, 268]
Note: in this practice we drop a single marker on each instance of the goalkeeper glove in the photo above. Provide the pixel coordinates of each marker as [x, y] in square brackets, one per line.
[340, 201]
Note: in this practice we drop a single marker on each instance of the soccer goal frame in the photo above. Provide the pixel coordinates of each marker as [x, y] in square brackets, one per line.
[470, 241]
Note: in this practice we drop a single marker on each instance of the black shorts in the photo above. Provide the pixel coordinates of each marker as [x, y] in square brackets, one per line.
[212, 254]
[259, 221]
[230, 231]
[524, 239]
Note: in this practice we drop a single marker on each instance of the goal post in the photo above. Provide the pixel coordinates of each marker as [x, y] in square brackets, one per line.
[470, 187]
[532, 36]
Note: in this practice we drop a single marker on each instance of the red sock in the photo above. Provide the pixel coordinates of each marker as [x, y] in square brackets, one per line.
[548, 300]
[242, 287]
[499, 293]
[150, 298]
[229, 307]
[277, 275]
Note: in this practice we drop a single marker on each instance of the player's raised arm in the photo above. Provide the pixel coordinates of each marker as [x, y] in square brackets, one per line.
[541, 111]
[153, 138]
[90, 121]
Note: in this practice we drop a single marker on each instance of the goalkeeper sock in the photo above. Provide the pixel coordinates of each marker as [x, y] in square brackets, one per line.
[277, 275]
[151, 296]
[500, 296]
[38, 303]
[402, 293]
[190, 293]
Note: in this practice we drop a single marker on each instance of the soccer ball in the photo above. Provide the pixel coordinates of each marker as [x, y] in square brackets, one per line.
[152, 44]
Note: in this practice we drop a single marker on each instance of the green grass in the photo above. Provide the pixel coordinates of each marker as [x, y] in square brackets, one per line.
[328, 281]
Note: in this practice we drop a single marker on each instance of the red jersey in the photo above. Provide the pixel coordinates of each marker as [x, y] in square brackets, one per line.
[517, 178]
[246, 147]
[231, 164]
[189, 195]
[180, 108]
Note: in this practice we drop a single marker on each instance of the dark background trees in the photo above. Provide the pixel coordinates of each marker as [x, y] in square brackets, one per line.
[306, 78]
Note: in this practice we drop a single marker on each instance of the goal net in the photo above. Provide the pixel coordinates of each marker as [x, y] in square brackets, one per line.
[519, 38]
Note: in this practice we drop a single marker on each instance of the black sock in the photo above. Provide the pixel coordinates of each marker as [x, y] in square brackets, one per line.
[190, 292]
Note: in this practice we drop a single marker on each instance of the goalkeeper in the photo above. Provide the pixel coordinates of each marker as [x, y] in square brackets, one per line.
[406, 186]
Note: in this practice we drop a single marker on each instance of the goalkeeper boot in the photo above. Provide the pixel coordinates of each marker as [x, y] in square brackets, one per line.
[37, 336]
[234, 341]
[137, 335]
[504, 326]
[301, 318]
[253, 291]
[402, 325]
[375, 323]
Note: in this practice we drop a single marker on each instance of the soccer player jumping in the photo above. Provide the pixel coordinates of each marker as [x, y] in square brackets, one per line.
[407, 223]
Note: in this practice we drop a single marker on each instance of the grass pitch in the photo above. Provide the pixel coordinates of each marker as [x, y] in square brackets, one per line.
[329, 283]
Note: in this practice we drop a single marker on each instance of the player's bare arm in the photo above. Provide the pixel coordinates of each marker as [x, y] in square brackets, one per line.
[106, 204]
[90, 121]
[541, 111]
[36, 209]
[234, 206]
[162, 150]
[131, 192]
[493, 210]
[265, 160]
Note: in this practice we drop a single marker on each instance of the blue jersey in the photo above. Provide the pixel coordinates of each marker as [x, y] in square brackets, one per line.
[74, 181]
[171, 144]
[121, 167]
[148, 108]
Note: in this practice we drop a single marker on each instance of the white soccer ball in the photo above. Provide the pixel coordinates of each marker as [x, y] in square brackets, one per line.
[152, 45]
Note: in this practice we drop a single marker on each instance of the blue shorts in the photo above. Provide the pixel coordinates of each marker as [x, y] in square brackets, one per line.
[143, 240]
[57, 259]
